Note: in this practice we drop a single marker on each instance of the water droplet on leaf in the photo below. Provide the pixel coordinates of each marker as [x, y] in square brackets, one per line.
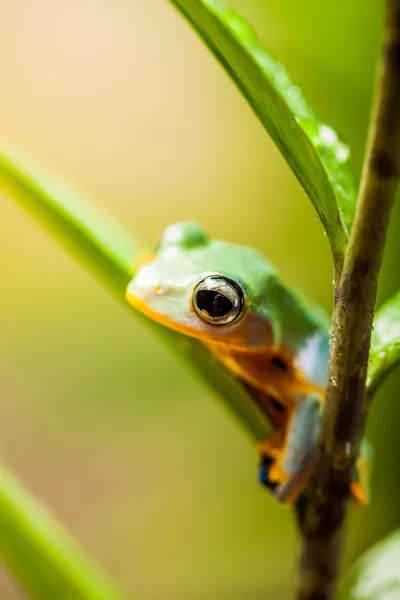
[342, 152]
[240, 26]
[280, 75]
[328, 136]
[294, 92]
[217, 6]
[263, 59]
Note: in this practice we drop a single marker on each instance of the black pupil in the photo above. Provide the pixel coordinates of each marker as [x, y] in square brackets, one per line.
[213, 303]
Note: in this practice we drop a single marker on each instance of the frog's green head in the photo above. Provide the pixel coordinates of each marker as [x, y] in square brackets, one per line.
[207, 289]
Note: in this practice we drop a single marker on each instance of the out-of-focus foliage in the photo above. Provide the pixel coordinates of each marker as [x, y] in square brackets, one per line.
[109, 252]
[44, 560]
[135, 458]
[314, 152]
[385, 343]
[376, 575]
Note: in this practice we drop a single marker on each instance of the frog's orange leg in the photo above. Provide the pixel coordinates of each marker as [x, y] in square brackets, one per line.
[294, 458]
[287, 458]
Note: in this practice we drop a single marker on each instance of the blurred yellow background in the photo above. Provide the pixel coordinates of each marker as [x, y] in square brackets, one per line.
[121, 100]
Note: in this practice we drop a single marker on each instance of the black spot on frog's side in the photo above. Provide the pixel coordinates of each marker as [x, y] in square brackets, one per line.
[273, 409]
[278, 363]
[278, 406]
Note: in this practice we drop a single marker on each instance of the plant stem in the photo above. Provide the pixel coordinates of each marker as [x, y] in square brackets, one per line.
[355, 296]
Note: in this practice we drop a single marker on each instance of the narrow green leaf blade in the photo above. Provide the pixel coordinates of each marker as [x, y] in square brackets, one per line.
[315, 154]
[376, 576]
[47, 562]
[385, 343]
[93, 237]
[110, 253]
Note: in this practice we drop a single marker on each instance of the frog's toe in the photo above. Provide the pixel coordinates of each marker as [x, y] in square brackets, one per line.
[359, 486]
[285, 487]
[264, 469]
[269, 451]
[359, 493]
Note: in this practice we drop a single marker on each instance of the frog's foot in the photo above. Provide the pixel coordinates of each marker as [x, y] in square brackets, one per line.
[291, 485]
[272, 475]
[291, 462]
[268, 451]
[296, 462]
[287, 463]
[263, 472]
[359, 486]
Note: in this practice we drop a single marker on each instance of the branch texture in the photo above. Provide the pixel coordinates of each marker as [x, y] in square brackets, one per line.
[345, 411]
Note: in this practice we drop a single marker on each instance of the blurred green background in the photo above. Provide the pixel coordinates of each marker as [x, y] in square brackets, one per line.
[122, 101]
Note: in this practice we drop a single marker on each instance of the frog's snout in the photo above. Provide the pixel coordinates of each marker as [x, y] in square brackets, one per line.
[149, 294]
[164, 305]
[144, 285]
[136, 292]
[142, 298]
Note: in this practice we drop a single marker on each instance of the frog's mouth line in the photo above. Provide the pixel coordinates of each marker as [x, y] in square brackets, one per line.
[208, 338]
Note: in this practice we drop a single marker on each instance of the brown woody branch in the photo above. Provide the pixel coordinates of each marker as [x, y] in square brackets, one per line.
[355, 295]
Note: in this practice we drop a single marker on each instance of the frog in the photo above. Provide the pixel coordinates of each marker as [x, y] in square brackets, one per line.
[267, 335]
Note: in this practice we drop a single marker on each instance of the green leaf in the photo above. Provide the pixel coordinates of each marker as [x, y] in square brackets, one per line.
[315, 154]
[385, 343]
[110, 253]
[376, 576]
[47, 562]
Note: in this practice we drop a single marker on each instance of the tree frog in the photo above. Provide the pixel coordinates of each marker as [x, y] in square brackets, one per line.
[274, 341]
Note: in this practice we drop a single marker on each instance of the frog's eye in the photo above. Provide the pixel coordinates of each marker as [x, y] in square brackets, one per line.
[218, 300]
